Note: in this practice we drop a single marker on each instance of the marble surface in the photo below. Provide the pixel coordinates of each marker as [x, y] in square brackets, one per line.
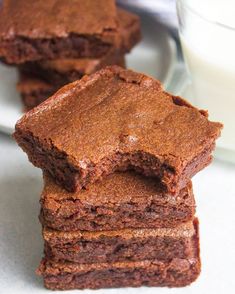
[21, 243]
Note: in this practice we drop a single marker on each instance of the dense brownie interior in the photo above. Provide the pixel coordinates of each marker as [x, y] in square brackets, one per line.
[176, 273]
[162, 244]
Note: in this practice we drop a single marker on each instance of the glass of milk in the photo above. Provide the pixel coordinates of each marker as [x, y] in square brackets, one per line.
[207, 34]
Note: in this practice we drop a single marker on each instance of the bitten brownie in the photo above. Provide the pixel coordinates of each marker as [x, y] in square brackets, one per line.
[176, 272]
[117, 119]
[120, 200]
[35, 90]
[35, 30]
[162, 244]
[60, 72]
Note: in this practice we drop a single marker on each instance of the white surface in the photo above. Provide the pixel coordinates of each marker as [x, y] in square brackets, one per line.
[21, 242]
[155, 55]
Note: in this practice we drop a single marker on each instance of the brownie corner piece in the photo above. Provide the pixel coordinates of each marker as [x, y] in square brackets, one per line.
[56, 30]
[117, 119]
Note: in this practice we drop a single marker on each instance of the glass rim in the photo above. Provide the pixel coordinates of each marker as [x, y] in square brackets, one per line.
[196, 13]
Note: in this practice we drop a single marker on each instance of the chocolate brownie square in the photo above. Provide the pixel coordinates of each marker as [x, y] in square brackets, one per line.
[120, 200]
[35, 30]
[60, 72]
[117, 119]
[162, 244]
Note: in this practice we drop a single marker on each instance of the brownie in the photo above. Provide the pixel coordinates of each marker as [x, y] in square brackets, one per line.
[177, 272]
[162, 244]
[117, 119]
[63, 71]
[80, 29]
[120, 200]
[35, 30]
[35, 90]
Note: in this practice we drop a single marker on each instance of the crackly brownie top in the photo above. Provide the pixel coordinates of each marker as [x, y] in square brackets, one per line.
[184, 230]
[56, 18]
[114, 190]
[119, 111]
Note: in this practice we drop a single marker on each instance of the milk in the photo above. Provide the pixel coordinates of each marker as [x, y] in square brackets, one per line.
[209, 52]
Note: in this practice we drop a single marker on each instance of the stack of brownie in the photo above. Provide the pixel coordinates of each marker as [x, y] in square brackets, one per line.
[53, 42]
[117, 208]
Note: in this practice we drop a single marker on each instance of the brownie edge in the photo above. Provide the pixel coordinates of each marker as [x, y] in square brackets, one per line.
[162, 244]
[177, 272]
[121, 200]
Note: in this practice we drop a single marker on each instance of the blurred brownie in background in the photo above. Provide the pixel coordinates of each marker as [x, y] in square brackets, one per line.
[41, 79]
[37, 30]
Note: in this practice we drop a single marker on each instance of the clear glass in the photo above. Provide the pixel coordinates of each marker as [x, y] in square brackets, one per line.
[209, 52]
